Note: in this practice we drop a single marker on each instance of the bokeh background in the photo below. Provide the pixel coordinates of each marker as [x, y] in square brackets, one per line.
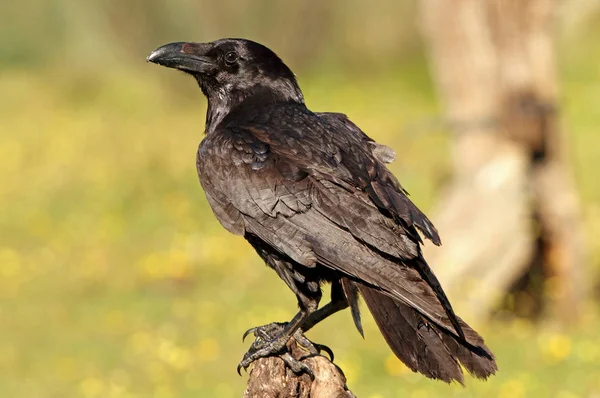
[115, 278]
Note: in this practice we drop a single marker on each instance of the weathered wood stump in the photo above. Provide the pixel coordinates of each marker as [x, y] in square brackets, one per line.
[270, 378]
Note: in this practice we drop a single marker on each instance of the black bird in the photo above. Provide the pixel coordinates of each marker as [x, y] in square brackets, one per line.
[311, 193]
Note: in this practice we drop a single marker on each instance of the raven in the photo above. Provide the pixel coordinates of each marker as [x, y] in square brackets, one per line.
[311, 193]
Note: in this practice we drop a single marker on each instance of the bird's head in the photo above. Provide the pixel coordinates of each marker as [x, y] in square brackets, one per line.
[231, 70]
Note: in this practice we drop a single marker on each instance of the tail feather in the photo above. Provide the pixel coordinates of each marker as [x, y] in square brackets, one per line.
[424, 347]
[429, 277]
[351, 292]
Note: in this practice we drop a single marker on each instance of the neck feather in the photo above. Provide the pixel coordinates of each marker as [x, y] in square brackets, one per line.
[221, 102]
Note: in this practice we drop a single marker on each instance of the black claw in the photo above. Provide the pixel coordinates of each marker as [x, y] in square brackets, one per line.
[328, 351]
[266, 332]
[247, 332]
[239, 370]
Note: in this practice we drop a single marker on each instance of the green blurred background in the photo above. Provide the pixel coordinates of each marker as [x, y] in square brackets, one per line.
[115, 278]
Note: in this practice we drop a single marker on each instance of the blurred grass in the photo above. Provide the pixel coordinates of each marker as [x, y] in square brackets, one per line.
[117, 281]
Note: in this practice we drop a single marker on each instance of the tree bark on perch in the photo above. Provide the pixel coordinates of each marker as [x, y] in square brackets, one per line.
[270, 378]
[512, 205]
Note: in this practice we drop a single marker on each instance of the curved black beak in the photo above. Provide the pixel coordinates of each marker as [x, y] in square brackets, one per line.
[188, 57]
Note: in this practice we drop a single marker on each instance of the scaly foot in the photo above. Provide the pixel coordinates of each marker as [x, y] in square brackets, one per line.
[272, 339]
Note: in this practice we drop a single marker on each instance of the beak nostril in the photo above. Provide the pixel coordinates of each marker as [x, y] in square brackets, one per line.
[187, 48]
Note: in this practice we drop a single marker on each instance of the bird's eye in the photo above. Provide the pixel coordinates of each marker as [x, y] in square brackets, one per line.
[230, 57]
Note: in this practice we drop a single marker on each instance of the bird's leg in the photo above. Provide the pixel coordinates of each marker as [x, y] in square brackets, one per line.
[271, 339]
[329, 309]
[343, 295]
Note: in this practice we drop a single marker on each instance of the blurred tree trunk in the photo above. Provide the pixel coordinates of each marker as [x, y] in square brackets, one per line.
[511, 218]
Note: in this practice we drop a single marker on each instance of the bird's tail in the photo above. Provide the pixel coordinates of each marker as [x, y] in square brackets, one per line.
[424, 347]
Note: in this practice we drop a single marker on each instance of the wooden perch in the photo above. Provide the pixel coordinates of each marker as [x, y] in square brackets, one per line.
[270, 378]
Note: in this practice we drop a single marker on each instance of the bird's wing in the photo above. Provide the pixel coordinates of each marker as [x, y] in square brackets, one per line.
[365, 159]
[340, 121]
[317, 198]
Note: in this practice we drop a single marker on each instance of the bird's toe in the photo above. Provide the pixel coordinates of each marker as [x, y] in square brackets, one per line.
[265, 332]
[296, 366]
[312, 347]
